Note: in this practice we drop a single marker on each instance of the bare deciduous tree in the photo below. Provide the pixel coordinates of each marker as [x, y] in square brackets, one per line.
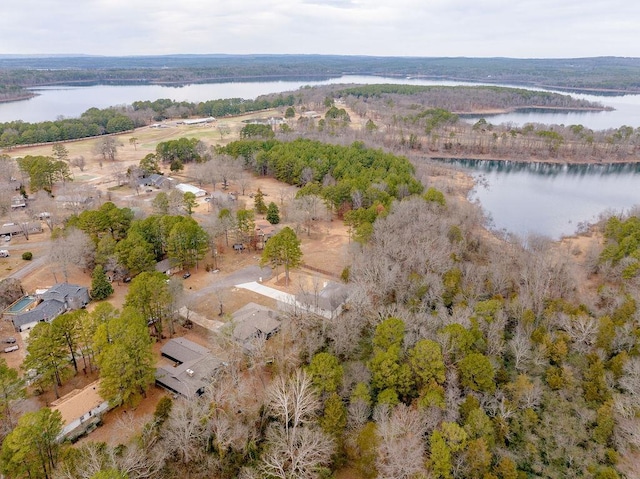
[306, 210]
[244, 180]
[296, 455]
[73, 249]
[296, 447]
[186, 431]
[401, 452]
[79, 162]
[520, 347]
[106, 148]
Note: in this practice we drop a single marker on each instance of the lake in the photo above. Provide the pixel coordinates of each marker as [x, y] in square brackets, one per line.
[547, 199]
[71, 101]
[627, 112]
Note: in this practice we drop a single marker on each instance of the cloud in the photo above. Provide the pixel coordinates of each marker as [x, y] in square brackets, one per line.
[527, 28]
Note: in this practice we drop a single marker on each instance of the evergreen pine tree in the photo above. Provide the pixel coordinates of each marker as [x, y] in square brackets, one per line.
[100, 286]
[273, 214]
[261, 208]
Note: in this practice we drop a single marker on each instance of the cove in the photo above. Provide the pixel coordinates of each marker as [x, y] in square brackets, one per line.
[553, 200]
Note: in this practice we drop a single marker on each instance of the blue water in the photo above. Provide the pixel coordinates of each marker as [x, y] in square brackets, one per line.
[23, 303]
[551, 200]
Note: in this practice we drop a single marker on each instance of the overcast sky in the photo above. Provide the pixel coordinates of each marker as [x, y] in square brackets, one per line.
[472, 28]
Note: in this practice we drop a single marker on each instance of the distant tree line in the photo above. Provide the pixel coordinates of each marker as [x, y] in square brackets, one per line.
[418, 121]
[95, 122]
[601, 73]
[467, 98]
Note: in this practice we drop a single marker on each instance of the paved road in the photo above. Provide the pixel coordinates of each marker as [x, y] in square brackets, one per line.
[29, 267]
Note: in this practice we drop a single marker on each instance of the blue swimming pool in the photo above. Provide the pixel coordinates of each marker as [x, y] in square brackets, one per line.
[22, 304]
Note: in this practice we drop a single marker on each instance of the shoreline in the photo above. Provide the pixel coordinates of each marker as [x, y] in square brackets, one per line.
[550, 161]
[514, 109]
[27, 96]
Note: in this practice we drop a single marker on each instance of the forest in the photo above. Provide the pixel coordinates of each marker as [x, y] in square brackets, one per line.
[459, 354]
[575, 74]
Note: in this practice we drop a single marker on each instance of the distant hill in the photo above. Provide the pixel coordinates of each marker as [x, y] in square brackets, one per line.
[593, 74]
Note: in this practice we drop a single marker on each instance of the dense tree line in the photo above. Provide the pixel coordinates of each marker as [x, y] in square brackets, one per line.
[93, 122]
[467, 99]
[336, 173]
[577, 73]
[165, 108]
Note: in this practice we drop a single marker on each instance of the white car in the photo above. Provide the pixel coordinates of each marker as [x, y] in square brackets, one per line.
[4, 253]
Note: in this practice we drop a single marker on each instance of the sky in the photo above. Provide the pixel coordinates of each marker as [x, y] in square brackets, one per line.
[422, 28]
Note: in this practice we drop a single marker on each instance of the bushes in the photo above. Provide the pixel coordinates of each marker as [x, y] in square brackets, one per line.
[27, 255]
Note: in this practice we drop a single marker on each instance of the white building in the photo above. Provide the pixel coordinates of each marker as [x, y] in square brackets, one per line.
[187, 188]
[197, 121]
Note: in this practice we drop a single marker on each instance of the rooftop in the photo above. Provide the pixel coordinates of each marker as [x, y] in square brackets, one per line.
[78, 402]
[192, 369]
[253, 320]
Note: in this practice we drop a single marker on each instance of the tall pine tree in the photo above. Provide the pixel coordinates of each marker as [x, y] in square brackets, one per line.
[100, 286]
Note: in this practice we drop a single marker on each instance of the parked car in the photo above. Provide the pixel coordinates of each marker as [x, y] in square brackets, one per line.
[10, 340]
[186, 275]
[11, 348]
[4, 253]
[127, 279]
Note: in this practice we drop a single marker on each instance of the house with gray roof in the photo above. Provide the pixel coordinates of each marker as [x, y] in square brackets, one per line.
[327, 302]
[168, 266]
[187, 369]
[254, 321]
[72, 295]
[159, 181]
[54, 301]
[45, 311]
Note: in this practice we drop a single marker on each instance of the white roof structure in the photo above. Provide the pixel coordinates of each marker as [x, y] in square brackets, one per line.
[187, 188]
[197, 121]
